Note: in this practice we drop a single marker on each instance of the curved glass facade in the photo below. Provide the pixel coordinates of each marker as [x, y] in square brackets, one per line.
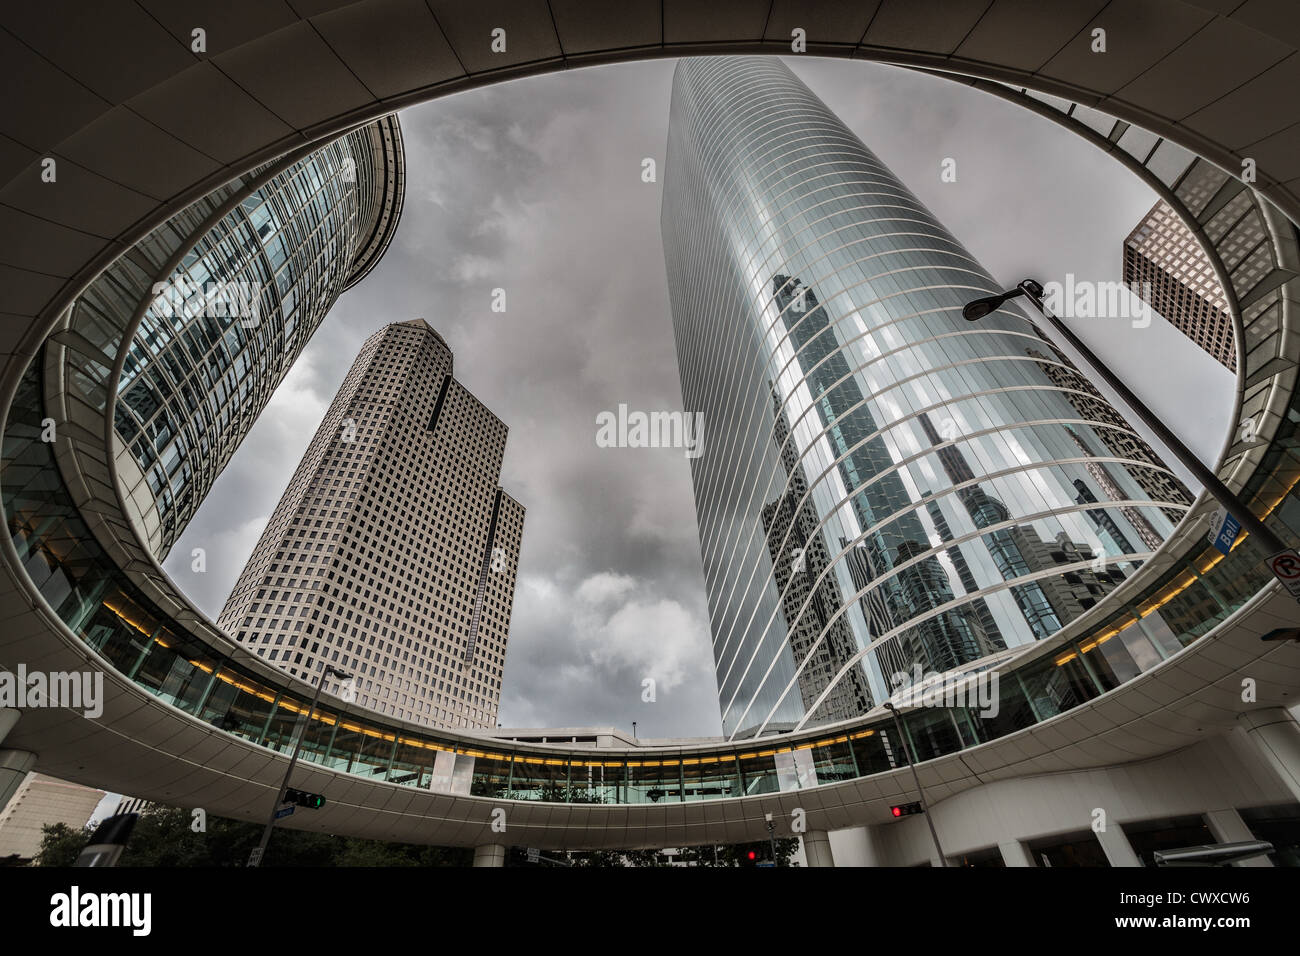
[233, 691]
[1178, 599]
[227, 293]
[887, 487]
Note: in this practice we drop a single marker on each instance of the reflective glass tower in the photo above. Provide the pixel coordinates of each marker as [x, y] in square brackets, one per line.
[223, 299]
[887, 486]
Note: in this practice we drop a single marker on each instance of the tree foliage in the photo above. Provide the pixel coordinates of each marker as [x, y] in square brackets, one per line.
[164, 837]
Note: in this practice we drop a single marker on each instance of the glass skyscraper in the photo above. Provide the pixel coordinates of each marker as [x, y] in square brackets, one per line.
[219, 302]
[887, 486]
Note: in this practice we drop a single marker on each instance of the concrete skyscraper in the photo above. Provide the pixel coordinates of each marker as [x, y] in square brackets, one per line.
[1173, 275]
[888, 486]
[393, 552]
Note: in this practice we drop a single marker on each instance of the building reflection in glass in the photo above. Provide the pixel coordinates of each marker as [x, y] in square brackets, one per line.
[887, 486]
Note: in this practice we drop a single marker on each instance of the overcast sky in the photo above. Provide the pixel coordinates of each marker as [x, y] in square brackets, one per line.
[535, 186]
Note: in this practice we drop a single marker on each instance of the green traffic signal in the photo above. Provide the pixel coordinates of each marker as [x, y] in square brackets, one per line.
[312, 801]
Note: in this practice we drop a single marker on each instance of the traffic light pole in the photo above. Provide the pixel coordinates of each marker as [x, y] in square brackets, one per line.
[911, 762]
[255, 859]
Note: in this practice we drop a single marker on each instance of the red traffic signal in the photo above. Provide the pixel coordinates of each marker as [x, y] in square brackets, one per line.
[906, 809]
[751, 856]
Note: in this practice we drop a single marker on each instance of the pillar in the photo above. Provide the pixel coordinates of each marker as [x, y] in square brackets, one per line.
[490, 854]
[1276, 737]
[1015, 853]
[14, 767]
[817, 848]
[8, 717]
[1117, 848]
[14, 764]
[1228, 827]
[855, 846]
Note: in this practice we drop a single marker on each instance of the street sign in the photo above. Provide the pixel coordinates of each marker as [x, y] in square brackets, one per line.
[284, 812]
[765, 863]
[1286, 568]
[1224, 529]
[534, 854]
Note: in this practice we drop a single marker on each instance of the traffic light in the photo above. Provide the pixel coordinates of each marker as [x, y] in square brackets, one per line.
[312, 801]
[906, 809]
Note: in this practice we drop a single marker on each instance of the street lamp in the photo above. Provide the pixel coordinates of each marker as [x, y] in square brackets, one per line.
[911, 762]
[255, 858]
[1033, 291]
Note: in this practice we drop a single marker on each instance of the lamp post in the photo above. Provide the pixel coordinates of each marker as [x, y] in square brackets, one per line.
[1033, 291]
[771, 836]
[109, 840]
[256, 858]
[911, 762]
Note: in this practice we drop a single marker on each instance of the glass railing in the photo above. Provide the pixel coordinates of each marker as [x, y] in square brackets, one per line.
[98, 602]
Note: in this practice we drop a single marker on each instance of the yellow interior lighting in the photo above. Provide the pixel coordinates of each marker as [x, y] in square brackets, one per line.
[122, 616]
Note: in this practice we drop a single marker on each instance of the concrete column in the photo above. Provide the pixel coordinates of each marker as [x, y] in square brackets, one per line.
[1116, 847]
[1015, 853]
[490, 854]
[817, 848]
[855, 846]
[1228, 827]
[8, 717]
[14, 767]
[1276, 736]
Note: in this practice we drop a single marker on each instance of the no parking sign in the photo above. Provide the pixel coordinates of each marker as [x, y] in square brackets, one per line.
[1286, 568]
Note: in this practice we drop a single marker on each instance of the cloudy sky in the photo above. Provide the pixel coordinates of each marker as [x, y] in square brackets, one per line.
[535, 186]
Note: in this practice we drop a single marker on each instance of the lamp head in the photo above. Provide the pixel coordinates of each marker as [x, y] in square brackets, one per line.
[978, 308]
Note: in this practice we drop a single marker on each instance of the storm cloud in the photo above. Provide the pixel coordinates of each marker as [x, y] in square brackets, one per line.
[535, 187]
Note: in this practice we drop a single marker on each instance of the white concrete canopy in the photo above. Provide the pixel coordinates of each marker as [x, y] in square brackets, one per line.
[138, 125]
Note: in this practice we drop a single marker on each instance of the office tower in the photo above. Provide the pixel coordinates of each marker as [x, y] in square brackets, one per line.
[42, 801]
[1116, 437]
[230, 290]
[887, 486]
[798, 573]
[393, 551]
[1170, 271]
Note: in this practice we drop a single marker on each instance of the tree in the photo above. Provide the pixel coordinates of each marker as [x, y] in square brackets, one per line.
[163, 837]
[732, 855]
[60, 845]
